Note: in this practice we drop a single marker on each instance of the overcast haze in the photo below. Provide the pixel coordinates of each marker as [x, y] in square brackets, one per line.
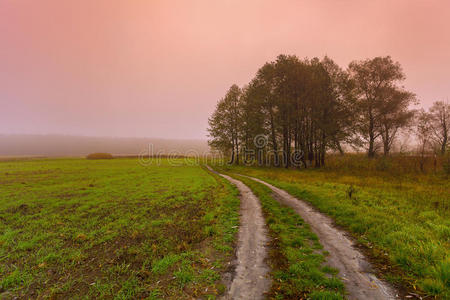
[157, 68]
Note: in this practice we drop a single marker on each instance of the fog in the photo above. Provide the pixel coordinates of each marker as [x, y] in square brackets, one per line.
[157, 68]
[63, 145]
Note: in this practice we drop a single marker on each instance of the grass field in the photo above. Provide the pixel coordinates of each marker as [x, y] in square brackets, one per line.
[402, 219]
[116, 229]
[113, 229]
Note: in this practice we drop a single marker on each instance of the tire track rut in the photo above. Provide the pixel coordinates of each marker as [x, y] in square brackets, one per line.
[354, 269]
[251, 278]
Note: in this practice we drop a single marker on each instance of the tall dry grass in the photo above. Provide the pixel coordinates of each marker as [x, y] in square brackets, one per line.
[396, 164]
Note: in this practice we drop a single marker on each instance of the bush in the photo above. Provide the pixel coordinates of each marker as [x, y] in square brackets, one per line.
[99, 156]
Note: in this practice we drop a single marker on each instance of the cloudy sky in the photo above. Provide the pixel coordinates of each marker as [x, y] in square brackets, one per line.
[155, 68]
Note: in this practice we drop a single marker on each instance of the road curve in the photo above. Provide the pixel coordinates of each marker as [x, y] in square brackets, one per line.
[251, 279]
[354, 268]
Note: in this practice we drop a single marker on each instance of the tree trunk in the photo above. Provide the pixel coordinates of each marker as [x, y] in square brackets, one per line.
[371, 152]
[322, 150]
[444, 143]
[232, 155]
[237, 153]
[310, 145]
[274, 139]
[339, 147]
[286, 146]
[386, 140]
[386, 144]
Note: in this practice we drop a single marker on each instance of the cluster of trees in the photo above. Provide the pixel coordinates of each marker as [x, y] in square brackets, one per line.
[432, 129]
[296, 110]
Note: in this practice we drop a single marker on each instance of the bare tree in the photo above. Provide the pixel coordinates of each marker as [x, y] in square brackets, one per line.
[394, 114]
[440, 112]
[424, 130]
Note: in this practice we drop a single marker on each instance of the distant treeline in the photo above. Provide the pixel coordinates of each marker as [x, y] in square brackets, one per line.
[66, 145]
[295, 110]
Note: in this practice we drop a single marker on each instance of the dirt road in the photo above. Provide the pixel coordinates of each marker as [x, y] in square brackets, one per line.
[354, 269]
[251, 279]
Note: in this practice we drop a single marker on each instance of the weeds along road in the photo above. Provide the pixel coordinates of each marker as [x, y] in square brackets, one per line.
[354, 269]
[251, 280]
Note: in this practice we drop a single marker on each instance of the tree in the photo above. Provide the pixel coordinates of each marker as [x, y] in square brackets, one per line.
[253, 122]
[343, 129]
[306, 107]
[382, 103]
[424, 130]
[325, 109]
[264, 86]
[288, 83]
[225, 124]
[394, 114]
[440, 119]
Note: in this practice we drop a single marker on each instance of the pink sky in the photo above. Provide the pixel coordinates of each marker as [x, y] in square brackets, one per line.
[157, 68]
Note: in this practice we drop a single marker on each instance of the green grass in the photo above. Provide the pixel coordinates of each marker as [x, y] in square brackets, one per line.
[296, 256]
[113, 229]
[402, 219]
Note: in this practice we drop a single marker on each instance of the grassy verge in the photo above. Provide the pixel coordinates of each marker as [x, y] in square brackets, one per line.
[296, 257]
[404, 220]
[113, 229]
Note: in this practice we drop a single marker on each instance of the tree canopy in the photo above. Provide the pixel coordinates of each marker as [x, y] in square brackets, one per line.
[295, 110]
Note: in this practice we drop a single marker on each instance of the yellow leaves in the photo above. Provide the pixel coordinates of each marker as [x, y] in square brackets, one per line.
[182, 246]
[134, 234]
[204, 262]
[143, 274]
[42, 265]
[81, 237]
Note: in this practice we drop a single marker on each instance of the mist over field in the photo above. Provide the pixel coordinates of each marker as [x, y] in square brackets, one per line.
[157, 68]
[67, 145]
[198, 149]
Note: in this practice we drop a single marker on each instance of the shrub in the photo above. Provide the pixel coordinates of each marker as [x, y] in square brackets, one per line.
[99, 156]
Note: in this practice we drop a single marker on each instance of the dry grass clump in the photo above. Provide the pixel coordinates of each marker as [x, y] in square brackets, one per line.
[99, 156]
